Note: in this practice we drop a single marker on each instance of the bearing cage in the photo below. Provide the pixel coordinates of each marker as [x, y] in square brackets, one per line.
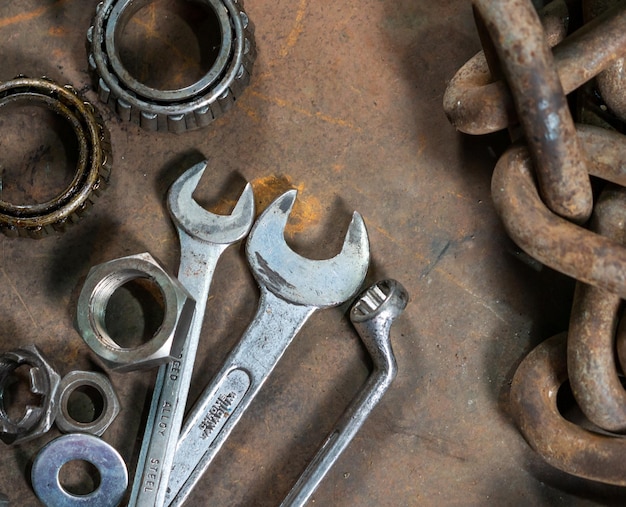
[93, 167]
[198, 109]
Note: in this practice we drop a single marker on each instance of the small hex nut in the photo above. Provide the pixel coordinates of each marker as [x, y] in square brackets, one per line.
[44, 382]
[166, 344]
[106, 405]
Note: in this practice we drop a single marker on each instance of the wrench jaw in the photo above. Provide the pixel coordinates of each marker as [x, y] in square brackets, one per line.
[372, 316]
[376, 309]
[292, 289]
[276, 266]
[195, 221]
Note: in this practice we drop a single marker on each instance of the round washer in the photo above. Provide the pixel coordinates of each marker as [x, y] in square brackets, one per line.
[108, 462]
[92, 170]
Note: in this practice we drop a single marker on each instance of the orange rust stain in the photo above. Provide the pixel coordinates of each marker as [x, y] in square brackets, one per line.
[296, 30]
[57, 31]
[421, 142]
[250, 112]
[305, 112]
[72, 353]
[30, 15]
[244, 104]
[338, 167]
[307, 209]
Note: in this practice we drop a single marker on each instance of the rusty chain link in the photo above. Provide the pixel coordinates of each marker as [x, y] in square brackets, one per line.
[542, 191]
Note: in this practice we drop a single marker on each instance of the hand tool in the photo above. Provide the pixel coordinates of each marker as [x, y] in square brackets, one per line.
[203, 237]
[292, 289]
[372, 316]
[84, 447]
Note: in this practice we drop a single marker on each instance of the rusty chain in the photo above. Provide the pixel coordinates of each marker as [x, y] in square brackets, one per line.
[542, 191]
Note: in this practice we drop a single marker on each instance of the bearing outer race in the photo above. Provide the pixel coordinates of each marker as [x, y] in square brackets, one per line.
[60, 109]
[93, 297]
[92, 171]
[177, 116]
[73, 381]
[115, 23]
[79, 446]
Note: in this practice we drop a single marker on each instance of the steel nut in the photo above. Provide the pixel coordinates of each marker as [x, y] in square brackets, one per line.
[44, 382]
[95, 412]
[102, 282]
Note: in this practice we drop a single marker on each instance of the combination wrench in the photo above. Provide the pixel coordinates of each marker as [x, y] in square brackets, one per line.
[292, 288]
[203, 237]
[372, 316]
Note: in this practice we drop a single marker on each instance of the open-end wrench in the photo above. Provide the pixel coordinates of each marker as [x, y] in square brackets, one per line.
[372, 316]
[203, 237]
[292, 289]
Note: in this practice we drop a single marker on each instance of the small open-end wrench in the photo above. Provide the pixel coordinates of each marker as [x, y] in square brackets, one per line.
[372, 316]
[203, 237]
[292, 289]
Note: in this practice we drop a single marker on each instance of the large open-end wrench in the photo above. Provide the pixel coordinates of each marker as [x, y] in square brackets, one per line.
[372, 316]
[203, 237]
[292, 289]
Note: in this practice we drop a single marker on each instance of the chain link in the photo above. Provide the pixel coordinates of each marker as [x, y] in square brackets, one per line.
[542, 191]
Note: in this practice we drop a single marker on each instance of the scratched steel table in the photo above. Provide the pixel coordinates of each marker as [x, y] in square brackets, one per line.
[345, 106]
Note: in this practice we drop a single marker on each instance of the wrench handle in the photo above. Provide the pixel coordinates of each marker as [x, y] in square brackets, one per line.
[340, 437]
[165, 418]
[230, 393]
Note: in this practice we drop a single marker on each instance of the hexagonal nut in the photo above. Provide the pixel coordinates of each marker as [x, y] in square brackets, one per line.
[98, 405]
[44, 382]
[166, 344]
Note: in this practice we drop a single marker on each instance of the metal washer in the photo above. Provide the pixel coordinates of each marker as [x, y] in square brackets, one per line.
[79, 446]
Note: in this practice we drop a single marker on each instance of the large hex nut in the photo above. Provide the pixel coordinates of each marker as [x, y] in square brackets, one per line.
[44, 382]
[102, 396]
[102, 281]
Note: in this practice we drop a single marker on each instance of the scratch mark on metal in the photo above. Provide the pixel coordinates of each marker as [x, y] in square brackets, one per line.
[12, 285]
[426, 271]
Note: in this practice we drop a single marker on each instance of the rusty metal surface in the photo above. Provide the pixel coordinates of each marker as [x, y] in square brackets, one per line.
[345, 105]
[568, 446]
[591, 355]
[527, 62]
[475, 104]
[562, 245]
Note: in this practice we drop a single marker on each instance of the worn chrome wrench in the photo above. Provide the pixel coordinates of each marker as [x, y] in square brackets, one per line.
[292, 289]
[203, 237]
[372, 316]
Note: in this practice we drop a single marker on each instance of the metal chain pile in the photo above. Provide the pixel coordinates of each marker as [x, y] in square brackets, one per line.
[543, 192]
